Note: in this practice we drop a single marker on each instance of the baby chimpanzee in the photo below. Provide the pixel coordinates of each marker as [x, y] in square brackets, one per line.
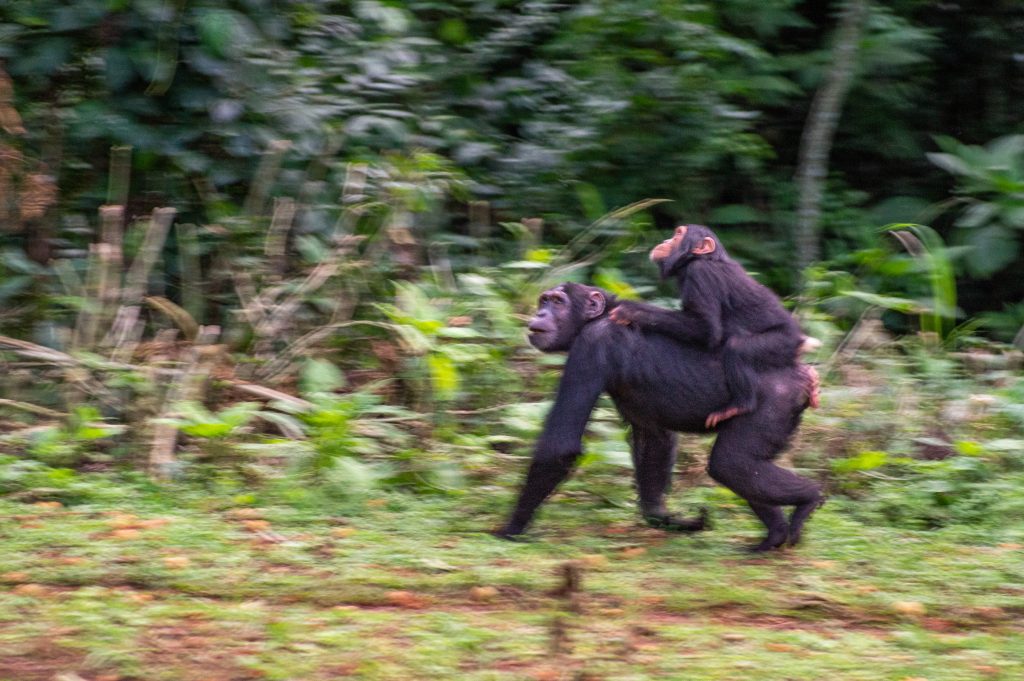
[742, 317]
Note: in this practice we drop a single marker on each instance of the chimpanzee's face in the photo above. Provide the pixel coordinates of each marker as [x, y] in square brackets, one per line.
[561, 313]
[686, 243]
[669, 246]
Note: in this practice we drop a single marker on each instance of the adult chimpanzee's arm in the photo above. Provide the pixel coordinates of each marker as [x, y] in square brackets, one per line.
[561, 442]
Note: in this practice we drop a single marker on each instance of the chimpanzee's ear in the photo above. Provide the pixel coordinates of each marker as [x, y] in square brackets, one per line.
[593, 305]
[706, 245]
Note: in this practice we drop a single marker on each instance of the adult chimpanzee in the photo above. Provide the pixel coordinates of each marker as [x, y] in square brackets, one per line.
[660, 386]
[741, 316]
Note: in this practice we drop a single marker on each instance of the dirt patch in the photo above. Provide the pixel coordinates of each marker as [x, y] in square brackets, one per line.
[196, 649]
[740, 618]
[40, 660]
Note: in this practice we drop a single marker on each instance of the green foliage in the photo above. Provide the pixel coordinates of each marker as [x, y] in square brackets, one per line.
[198, 421]
[990, 190]
[971, 489]
[73, 442]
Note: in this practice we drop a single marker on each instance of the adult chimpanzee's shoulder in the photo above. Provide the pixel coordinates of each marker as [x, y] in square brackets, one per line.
[603, 342]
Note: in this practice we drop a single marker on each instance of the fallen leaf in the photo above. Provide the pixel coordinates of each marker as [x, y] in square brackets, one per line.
[123, 520]
[733, 638]
[31, 590]
[343, 532]
[256, 525]
[245, 513]
[483, 594]
[781, 648]
[14, 577]
[545, 675]
[177, 562]
[594, 560]
[909, 608]
[125, 533]
[633, 552]
[48, 504]
[406, 599]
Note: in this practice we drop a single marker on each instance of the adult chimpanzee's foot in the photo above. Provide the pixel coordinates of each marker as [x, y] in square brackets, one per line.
[799, 516]
[717, 417]
[510, 535]
[671, 522]
[775, 539]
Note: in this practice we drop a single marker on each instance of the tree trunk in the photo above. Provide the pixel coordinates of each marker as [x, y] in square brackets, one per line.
[816, 140]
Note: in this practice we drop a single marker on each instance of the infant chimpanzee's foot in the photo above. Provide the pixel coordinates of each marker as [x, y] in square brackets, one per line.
[717, 417]
[812, 385]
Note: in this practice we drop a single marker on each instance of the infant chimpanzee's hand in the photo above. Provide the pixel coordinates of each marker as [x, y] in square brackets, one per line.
[624, 314]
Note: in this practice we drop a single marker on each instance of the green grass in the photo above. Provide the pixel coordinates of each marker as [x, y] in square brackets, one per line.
[206, 592]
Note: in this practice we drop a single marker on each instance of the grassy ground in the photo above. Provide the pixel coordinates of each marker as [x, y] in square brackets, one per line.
[199, 589]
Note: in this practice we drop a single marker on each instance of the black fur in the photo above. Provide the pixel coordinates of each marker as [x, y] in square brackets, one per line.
[727, 309]
[661, 386]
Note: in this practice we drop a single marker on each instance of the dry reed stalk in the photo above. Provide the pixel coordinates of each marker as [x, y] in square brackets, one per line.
[120, 176]
[264, 179]
[127, 328]
[189, 385]
[101, 281]
[10, 120]
[192, 298]
[275, 246]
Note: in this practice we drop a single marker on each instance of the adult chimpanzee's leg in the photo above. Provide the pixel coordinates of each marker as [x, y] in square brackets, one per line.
[799, 516]
[741, 459]
[775, 520]
[654, 456]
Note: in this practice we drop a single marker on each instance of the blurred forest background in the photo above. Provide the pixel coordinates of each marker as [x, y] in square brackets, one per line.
[264, 272]
[324, 221]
